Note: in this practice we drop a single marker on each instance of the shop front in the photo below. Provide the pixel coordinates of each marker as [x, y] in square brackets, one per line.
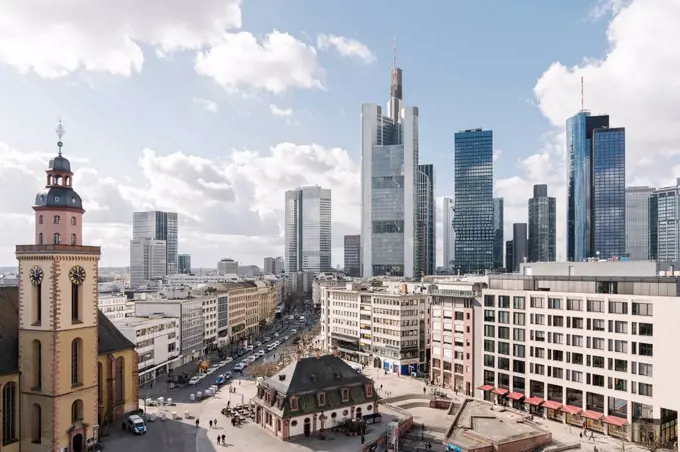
[488, 392]
[552, 410]
[516, 398]
[573, 415]
[500, 396]
[593, 420]
[616, 426]
[534, 404]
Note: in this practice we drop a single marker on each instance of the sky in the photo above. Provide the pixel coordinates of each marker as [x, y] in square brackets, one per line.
[213, 109]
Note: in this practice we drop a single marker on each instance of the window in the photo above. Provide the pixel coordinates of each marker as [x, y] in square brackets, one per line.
[489, 346]
[294, 403]
[574, 305]
[598, 361]
[518, 366]
[489, 315]
[558, 320]
[321, 399]
[518, 334]
[9, 413]
[489, 361]
[519, 318]
[598, 343]
[598, 380]
[504, 301]
[504, 317]
[620, 365]
[576, 376]
[518, 303]
[36, 434]
[345, 395]
[77, 411]
[645, 370]
[489, 331]
[37, 364]
[645, 389]
[75, 302]
[489, 301]
[37, 306]
[554, 303]
[557, 338]
[621, 346]
[40, 239]
[577, 341]
[538, 336]
[539, 319]
[557, 372]
[618, 327]
[504, 332]
[645, 349]
[518, 351]
[503, 363]
[577, 358]
[577, 322]
[40, 219]
[595, 306]
[73, 239]
[76, 361]
[537, 302]
[598, 325]
[503, 348]
[369, 390]
[642, 309]
[57, 238]
[57, 219]
[618, 307]
[120, 380]
[539, 369]
[646, 329]
[73, 221]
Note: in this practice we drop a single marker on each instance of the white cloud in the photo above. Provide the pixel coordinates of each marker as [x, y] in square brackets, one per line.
[635, 82]
[282, 112]
[205, 104]
[242, 64]
[347, 47]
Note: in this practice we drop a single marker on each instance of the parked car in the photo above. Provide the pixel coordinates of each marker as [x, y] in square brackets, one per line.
[293, 331]
[227, 375]
[239, 367]
[219, 381]
[194, 380]
[136, 424]
[267, 339]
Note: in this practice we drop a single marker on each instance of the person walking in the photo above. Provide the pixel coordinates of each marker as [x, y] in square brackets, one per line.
[224, 437]
[197, 422]
[210, 423]
[215, 423]
[218, 439]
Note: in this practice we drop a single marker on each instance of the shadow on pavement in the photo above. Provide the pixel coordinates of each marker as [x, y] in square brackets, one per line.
[166, 436]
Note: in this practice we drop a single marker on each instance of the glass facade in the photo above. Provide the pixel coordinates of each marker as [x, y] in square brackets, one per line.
[308, 229]
[498, 233]
[638, 234]
[473, 221]
[426, 261]
[184, 263]
[609, 192]
[666, 207]
[353, 255]
[520, 246]
[158, 225]
[542, 226]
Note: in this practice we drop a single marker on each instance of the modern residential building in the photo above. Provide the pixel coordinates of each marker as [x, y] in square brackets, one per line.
[352, 256]
[638, 216]
[595, 188]
[498, 242]
[448, 239]
[308, 230]
[520, 245]
[426, 251]
[386, 328]
[156, 342]
[389, 181]
[473, 223]
[509, 258]
[148, 261]
[587, 344]
[157, 225]
[184, 263]
[542, 226]
[273, 266]
[665, 223]
[227, 267]
[116, 306]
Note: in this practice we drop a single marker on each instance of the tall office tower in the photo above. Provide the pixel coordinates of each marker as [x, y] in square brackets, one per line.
[447, 230]
[638, 234]
[184, 263]
[156, 225]
[595, 188]
[426, 262]
[473, 222]
[498, 233]
[509, 259]
[273, 266]
[666, 205]
[279, 266]
[148, 261]
[542, 226]
[227, 266]
[308, 230]
[520, 245]
[353, 255]
[389, 178]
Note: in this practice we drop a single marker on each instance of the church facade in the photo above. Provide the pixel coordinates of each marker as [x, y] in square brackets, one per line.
[66, 369]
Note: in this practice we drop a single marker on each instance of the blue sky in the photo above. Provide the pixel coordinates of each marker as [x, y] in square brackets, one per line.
[466, 64]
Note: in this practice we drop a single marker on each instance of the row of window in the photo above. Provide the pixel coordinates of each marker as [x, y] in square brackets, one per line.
[56, 239]
[57, 220]
[615, 307]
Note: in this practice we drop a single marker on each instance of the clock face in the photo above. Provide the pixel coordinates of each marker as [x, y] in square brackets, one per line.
[35, 274]
[77, 275]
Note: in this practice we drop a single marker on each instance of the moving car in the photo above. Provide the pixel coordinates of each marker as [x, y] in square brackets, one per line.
[250, 348]
[219, 381]
[227, 375]
[260, 353]
[239, 367]
[258, 344]
[136, 424]
[302, 318]
[267, 339]
[276, 334]
[194, 380]
[293, 331]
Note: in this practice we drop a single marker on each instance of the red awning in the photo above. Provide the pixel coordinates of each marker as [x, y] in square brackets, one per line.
[551, 405]
[516, 396]
[615, 420]
[500, 391]
[594, 415]
[535, 401]
[571, 409]
[486, 388]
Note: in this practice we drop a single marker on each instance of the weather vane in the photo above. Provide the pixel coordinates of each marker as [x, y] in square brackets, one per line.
[60, 133]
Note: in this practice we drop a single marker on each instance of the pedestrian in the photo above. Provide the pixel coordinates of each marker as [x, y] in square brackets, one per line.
[239, 382]
[218, 439]
[215, 423]
[210, 423]
[196, 422]
[580, 435]
[381, 386]
[424, 390]
[224, 437]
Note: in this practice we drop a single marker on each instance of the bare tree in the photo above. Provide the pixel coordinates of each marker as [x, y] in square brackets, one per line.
[264, 370]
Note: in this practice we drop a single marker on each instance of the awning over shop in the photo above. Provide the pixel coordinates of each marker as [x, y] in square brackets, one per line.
[615, 420]
[516, 396]
[486, 388]
[551, 405]
[571, 409]
[535, 401]
[500, 391]
[594, 415]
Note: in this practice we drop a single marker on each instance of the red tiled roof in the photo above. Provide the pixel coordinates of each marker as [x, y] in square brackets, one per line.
[571, 409]
[500, 391]
[594, 415]
[515, 396]
[615, 420]
[486, 388]
[551, 405]
[536, 401]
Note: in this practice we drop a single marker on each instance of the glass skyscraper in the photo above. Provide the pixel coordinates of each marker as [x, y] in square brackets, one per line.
[157, 225]
[308, 230]
[498, 242]
[352, 255]
[638, 215]
[542, 226]
[473, 222]
[427, 241]
[665, 223]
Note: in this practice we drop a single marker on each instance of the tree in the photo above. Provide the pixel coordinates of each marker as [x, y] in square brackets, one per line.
[264, 370]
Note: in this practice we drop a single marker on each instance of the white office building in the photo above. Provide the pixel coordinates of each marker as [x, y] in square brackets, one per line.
[147, 262]
[227, 267]
[308, 230]
[582, 348]
[116, 306]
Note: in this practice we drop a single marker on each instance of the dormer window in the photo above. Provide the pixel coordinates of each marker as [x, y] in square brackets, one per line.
[294, 404]
[369, 390]
[345, 395]
[321, 398]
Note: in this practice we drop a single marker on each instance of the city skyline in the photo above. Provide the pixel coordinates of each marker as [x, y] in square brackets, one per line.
[228, 191]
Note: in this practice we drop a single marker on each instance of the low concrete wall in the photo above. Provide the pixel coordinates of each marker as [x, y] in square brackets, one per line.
[441, 404]
[562, 447]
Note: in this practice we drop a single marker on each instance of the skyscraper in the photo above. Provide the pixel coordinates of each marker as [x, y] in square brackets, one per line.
[638, 213]
[308, 230]
[427, 242]
[509, 259]
[665, 204]
[473, 222]
[157, 225]
[498, 233]
[353, 255]
[389, 179]
[447, 228]
[148, 261]
[595, 188]
[520, 245]
[542, 226]
[183, 263]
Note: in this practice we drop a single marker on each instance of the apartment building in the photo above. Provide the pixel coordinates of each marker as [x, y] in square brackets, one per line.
[585, 350]
[116, 306]
[377, 326]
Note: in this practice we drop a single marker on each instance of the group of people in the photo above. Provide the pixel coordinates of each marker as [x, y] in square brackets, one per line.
[213, 423]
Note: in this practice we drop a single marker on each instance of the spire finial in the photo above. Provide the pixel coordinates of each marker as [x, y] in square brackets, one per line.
[394, 52]
[60, 131]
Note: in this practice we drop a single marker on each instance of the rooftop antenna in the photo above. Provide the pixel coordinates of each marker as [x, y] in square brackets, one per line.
[581, 93]
[60, 131]
[394, 51]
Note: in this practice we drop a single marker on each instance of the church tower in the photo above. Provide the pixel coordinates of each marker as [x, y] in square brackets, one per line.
[58, 331]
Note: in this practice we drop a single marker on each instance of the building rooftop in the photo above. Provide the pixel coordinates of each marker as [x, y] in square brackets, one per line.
[132, 322]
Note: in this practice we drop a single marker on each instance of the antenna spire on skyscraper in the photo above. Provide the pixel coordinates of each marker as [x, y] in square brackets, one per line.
[394, 52]
[581, 93]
